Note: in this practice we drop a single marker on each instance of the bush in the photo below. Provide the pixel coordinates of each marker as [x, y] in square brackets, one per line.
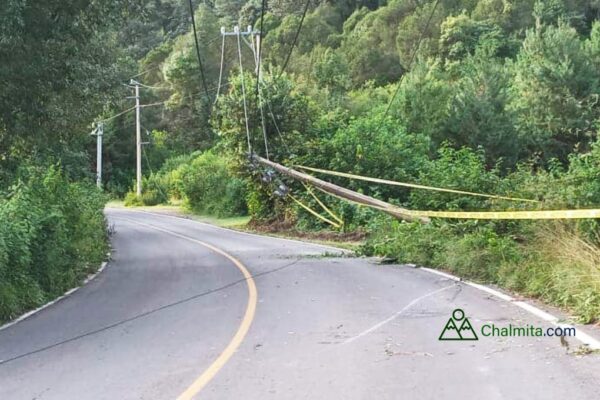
[132, 200]
[52, 235]
[462, 169]
[208, 186]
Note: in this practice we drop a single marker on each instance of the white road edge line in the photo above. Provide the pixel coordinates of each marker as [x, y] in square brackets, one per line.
[583, 337]
[65, 295]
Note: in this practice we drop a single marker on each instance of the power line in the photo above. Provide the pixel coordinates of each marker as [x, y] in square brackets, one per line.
[155, 87]
[198, 48]
[287, 148]
[287, 60]
[117, 115]
[160, 103]
[143, 72]
[412, 58]
[147, 313]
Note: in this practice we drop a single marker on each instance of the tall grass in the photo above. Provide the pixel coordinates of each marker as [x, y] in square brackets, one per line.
[555, 262]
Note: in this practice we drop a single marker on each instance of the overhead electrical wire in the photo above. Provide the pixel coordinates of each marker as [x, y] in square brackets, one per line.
[412, 185]
[198, 48]
[143, 72]
[287, 60]
[287, 148]
[117, 115]
[412, 58]
[160, 103]
[155, 87]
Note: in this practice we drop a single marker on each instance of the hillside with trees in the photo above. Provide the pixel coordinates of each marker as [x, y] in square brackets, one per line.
[498, 97]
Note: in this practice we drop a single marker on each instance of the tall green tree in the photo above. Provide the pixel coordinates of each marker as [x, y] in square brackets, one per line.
[555, 90]
[59, 69]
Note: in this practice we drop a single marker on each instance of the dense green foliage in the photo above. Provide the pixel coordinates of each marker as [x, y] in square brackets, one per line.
[205, 182]
[52, 235]
[61, 67]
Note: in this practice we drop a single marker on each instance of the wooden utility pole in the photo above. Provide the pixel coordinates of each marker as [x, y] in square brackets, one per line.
[343, 193]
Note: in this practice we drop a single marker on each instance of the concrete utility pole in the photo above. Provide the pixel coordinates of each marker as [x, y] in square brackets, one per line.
[138, 140]
[99, 133]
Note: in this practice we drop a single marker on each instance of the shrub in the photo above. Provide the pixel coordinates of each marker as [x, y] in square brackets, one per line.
[208, 186]
[132, 200]
[462, 169]
[52, 235]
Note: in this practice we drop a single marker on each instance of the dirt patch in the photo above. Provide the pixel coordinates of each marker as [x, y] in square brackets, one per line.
[287, 228]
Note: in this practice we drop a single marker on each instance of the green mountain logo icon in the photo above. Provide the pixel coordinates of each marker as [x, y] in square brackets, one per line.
[458, 327]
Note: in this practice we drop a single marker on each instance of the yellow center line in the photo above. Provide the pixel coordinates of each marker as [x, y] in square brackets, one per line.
[208, 374]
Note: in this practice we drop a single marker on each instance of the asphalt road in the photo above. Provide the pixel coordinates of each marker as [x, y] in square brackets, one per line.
[172, 318]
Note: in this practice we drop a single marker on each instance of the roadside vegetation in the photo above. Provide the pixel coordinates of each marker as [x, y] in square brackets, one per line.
[52, 236]
[58, 61]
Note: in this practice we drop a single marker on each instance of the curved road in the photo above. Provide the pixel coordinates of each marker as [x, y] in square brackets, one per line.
[172, 317]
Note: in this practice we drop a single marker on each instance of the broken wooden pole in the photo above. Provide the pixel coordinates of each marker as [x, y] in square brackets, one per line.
[342, 192]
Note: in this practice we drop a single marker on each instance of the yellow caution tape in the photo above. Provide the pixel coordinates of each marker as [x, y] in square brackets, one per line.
[323, 206]
[554, 214]
[497, 215]
[412, 185]
[313, 212]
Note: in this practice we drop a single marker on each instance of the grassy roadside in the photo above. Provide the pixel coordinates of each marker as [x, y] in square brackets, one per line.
[243, 224]
[553, 261]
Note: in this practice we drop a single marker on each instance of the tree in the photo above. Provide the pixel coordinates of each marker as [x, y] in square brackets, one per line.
[56, 57]
[229, 10]
[289, 117]
[462, 35]
[554, 92]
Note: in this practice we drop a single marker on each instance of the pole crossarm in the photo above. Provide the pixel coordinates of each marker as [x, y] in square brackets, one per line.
[342, 192]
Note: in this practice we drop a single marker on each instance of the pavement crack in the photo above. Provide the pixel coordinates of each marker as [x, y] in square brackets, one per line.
[145, 314]
[397, 314]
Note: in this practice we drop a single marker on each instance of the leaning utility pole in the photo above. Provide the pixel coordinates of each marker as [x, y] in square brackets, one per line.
[341, 192]
[138, 140]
